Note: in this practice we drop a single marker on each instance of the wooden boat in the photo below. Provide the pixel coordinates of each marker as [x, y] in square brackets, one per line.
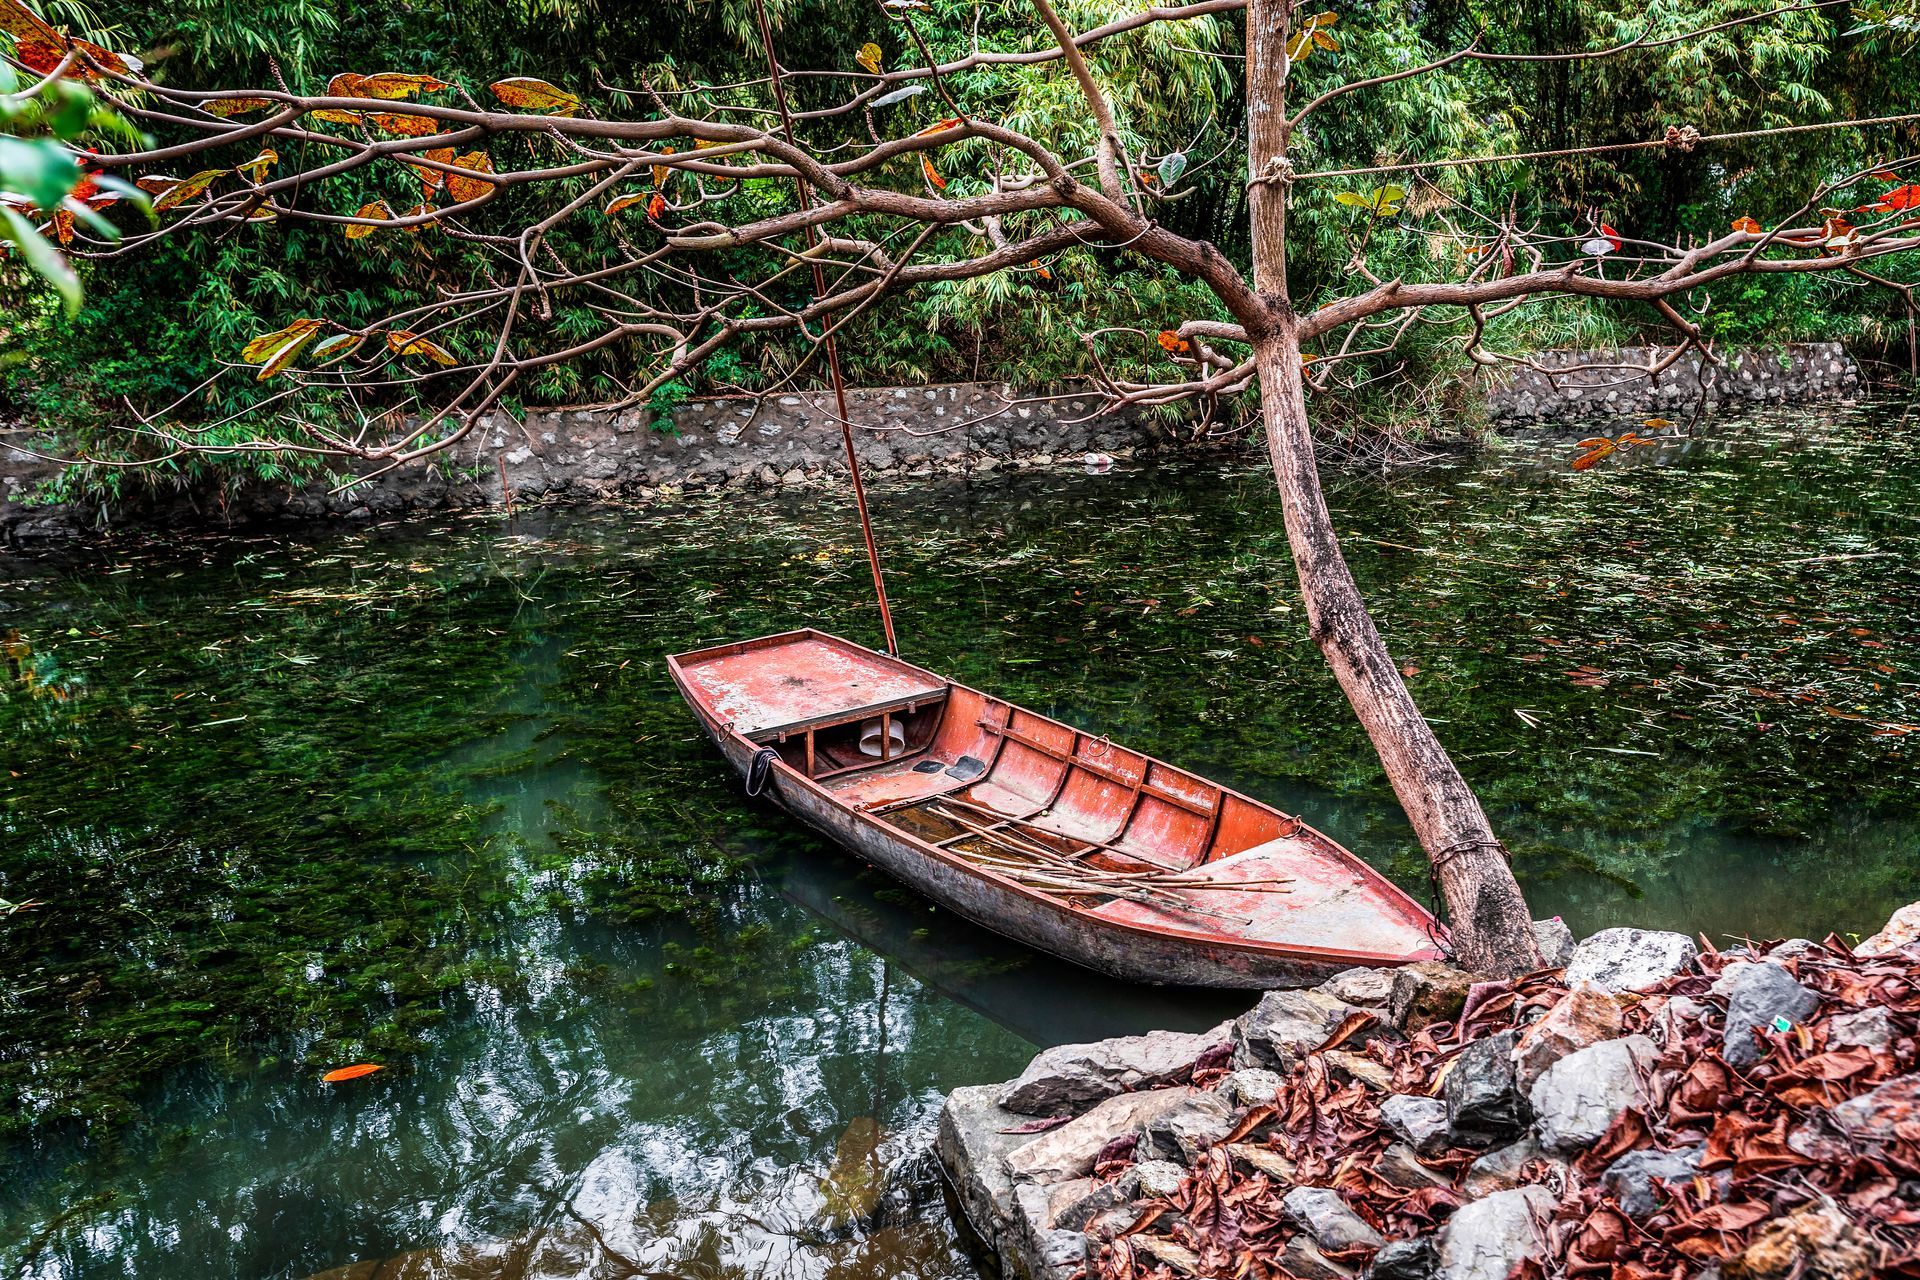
[1057, 838]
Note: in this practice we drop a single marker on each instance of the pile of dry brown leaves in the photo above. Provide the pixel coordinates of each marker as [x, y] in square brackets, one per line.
[1784, 1188]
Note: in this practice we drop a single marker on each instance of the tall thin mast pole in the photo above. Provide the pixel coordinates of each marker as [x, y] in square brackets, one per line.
[833, 345]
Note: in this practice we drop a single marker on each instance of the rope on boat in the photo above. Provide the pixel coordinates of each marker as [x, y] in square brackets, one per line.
[1056, 873]
[759, 771]
[832, 343]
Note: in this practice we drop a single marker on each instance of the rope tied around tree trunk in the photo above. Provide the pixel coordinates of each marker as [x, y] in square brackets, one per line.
[1440, 860]
[1278, 169]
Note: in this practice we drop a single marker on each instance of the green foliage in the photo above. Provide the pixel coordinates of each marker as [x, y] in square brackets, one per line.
[666, 397]
[155, 335]
[42, 187]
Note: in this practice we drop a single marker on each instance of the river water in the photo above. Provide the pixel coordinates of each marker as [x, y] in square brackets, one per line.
[421, 795]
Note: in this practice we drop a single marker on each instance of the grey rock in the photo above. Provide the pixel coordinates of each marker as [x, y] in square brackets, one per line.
[1793, 947]
[1357, 1066]
[1427, 992]
[1418, 1121]
[1367, 988]
[1484, 1102]
[1036, 1247]
[973, 1151]
[1181, 1133]
[1072, 1205]
[1255, 1158]
[1250, 1087]
[1177, 1258]
[1555, 940]
[1302, 1258]
[1158, 1177]
[1415, 1259]
[1630, 1179]
[1400, 1166]
[1585, 1015]
[1068, 1152]
[1630, 959]
[1869, 1028]
[1902, 929]
[1499, 1170]
[1756, 995]
[1103, 1227]
[1487, 1238]
[1876, 1116]
[1578, 1097]
[1072, 1077]
[1324, 1215]
[1287, 1025]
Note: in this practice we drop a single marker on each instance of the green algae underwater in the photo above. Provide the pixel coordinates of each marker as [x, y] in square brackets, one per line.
[422, 795]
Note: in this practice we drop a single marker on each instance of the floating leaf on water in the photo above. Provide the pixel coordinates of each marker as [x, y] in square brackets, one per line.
[352, 1073]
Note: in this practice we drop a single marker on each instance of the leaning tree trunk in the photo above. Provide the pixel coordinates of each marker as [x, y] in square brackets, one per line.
[1492, 928]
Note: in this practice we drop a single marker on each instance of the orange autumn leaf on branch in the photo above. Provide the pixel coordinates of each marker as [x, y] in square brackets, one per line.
[1173, 343]
[463, 188]
[1747, 225]
[662, 174]
[404, 342]
[172, 193]
[933, 174]
[377, 211]
[535, 95]
[255, 170]
[337, 347]
[1898, 200]
[224, 107]
[41, 49]
[951, 122]
[352, 1073]
[397, 84]
[623, 203]
[403, 125]
[431, 180]
[279, 349]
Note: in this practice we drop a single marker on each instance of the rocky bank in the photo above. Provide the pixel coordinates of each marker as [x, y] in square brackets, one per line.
[1644, 1109]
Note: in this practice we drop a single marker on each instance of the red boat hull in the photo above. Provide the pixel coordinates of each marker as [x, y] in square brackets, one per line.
[1213, 888]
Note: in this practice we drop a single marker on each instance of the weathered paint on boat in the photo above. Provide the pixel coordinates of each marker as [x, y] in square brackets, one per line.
[976, 776]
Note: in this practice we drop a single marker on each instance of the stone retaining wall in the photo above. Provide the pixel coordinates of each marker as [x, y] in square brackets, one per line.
[1802, 372]
[583, 456]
